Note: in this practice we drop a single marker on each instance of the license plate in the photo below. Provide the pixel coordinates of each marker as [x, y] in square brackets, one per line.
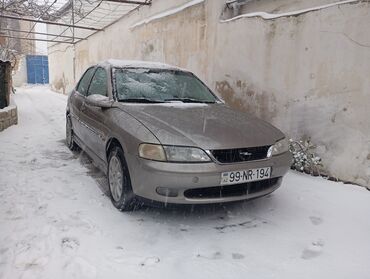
[236, 177]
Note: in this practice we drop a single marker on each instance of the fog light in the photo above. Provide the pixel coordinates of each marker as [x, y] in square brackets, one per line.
[167, 192]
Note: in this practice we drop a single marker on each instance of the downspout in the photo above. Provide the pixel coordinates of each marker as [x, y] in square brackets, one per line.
[235, 6]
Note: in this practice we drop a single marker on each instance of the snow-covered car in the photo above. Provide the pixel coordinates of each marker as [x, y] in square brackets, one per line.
[160, 134]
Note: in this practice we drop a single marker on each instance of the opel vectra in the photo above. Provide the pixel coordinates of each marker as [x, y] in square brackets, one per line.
[160, 134]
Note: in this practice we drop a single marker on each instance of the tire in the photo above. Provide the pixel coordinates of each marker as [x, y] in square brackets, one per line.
[119, 181]
[71, 144]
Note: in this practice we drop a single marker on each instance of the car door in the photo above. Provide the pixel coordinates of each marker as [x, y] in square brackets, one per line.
[77, 100]
[95, 117]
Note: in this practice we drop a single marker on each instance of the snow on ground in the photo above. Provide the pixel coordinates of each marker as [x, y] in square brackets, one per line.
[265, 15]
[167, 13]
[56, 221]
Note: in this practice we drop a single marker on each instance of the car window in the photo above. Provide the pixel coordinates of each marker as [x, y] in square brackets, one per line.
[99, 83]
[83, 85]
[160, 85]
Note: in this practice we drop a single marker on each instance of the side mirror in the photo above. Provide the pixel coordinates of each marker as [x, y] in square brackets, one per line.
[100, 101]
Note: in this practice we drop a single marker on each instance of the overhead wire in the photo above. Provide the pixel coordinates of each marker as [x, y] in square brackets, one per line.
[78, 20]
[34, 25]
[99, 14]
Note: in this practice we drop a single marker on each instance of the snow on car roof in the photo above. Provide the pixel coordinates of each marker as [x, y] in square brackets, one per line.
[139, 64]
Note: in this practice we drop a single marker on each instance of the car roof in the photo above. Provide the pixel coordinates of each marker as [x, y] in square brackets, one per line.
[115, 63]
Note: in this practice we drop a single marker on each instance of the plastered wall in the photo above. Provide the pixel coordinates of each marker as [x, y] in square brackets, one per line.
[308, 74]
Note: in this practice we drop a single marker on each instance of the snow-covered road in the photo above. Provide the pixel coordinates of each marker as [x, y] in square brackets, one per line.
[56, 221]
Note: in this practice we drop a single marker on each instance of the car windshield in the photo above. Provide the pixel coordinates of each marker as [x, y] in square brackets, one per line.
[158, 85]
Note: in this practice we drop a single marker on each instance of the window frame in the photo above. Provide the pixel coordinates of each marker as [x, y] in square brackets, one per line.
[106, 85]
[88, 86]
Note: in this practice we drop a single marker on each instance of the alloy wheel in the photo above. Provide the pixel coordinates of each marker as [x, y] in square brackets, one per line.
[115, 178]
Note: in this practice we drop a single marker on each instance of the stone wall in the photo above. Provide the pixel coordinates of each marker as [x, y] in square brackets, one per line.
[8, 117]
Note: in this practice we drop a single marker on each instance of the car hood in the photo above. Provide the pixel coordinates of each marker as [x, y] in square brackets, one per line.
[208, 126]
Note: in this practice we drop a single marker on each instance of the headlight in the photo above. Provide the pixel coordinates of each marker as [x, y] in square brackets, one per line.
[152, 152]
[169, 153]
[279, 147]
[185, 154]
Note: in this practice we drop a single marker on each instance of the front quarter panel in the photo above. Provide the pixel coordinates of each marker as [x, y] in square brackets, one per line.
[128, 131]
[69, 102]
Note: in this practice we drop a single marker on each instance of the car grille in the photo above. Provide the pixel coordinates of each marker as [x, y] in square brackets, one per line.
[231, 190]
[240, 154]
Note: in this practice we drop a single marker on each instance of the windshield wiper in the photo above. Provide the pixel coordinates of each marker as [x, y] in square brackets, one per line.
[140, 100]
[189, 100]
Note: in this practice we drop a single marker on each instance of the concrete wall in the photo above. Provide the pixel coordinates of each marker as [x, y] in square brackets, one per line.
[159, 41]
[20, 46]
[20, 72]
[61, 72]
[307, 74]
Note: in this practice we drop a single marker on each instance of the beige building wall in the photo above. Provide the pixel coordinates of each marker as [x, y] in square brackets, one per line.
[61, 67]
[20, 47]
[20, 72]
[308, 74]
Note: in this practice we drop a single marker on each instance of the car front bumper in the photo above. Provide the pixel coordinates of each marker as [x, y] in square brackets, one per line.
[200, 183]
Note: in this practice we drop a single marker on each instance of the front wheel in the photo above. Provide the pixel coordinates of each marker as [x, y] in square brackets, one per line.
[71, 144]
[119, 181]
